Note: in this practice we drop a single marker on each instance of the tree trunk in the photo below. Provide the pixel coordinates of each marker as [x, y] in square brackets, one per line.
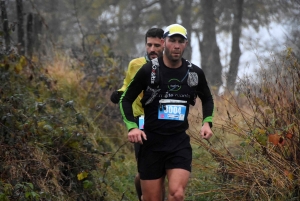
[235, 51]
[5, 25]
[54, 22]
[186, 22]
[37, 31]
[168, 11]
[29, 35]
[210, 57]
[21, 43]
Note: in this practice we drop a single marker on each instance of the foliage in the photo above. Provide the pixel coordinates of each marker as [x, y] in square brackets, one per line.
[52, 144]
[256, 144]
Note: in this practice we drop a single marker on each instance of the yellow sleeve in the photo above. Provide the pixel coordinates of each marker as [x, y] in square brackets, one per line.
[133, 67]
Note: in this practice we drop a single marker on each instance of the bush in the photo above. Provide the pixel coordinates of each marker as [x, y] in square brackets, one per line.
[54, 143]
[256, 145]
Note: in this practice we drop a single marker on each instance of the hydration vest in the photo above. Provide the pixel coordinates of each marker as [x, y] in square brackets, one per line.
[155, 80]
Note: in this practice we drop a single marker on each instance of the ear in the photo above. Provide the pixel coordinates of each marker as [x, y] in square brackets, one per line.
[186, 43]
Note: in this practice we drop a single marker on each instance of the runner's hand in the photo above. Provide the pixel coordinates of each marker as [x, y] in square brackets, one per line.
[135, 135]
[205, 131]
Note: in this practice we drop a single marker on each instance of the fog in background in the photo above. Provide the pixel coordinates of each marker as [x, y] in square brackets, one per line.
[228, 38]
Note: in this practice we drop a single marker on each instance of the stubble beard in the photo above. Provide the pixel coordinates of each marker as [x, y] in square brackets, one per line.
[170, 57]
[152, 55]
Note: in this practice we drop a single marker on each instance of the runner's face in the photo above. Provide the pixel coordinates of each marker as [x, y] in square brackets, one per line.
[154, 47]
[174, 47]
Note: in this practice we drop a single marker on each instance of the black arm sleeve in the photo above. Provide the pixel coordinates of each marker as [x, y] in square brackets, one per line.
[136, 86]
[205, 95]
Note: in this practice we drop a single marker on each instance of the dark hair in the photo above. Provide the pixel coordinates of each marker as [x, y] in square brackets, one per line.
[154, 32]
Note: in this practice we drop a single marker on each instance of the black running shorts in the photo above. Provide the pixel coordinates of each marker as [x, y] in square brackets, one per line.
[137, 147]
[161, 152]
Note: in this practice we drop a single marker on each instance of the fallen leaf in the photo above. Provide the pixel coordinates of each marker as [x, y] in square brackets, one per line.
[274, 138]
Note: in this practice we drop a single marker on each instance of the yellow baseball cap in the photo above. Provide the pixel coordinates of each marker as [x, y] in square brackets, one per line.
[174, 29]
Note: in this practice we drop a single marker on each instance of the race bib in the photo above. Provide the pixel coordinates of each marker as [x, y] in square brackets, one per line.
[172, 112]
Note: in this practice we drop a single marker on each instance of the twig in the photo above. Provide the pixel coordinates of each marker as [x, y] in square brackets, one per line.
[123, 194]
[105, 171]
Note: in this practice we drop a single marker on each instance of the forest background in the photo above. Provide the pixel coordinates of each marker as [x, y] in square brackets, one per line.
[62, 139]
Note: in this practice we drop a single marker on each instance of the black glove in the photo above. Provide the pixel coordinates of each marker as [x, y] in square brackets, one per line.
[115, 96]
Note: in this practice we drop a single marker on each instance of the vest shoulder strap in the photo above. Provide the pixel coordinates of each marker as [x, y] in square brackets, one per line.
[155, 71]
[155, 78]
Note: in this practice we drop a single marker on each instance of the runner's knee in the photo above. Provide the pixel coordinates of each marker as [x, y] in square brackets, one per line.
[176, 194]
